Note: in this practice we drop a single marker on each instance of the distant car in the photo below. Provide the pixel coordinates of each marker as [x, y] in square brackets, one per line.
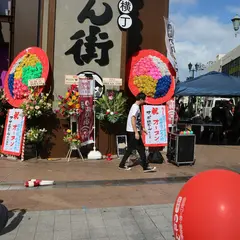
[211, 103]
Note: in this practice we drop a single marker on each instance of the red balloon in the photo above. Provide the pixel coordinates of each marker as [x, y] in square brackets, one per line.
[208, 207]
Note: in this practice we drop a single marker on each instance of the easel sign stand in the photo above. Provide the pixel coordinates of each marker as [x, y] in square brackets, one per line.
[73, 147]
[69, 80]
[94, 154]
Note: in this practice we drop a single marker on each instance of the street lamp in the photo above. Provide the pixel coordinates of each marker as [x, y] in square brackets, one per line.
[236, 24]
[197, 67]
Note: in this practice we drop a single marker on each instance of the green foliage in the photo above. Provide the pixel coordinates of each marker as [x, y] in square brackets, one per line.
[111, 107]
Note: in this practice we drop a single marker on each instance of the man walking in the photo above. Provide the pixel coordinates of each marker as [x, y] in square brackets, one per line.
[134, 135]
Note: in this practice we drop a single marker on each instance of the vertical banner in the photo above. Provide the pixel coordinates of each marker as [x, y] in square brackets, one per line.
[13, 132]
[170, 44]
[155, 121]
[171, 111]
[85, 124]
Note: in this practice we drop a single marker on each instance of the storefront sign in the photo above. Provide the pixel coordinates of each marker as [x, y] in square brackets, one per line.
[85, 87]
[124, 21]
[87, 47]
[71, 79]
[155, 121]
[13, 132]
[36, 82]
[125, 6]
[86, 120]
[170, 43]
[171, 112]
[112, 81]
[98, 82]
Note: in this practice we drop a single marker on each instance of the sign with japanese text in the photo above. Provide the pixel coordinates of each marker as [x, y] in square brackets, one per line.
[155, 121]
[93, 44]
[86, 120]
[71, 79]
[171, 112]
[13, 132]
[36, 82]
[112, 81]
[85, 87]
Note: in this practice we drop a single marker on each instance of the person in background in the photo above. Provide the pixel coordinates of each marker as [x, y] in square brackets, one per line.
[134, 131]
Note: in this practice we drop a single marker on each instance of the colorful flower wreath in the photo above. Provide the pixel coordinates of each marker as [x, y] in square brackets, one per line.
[69, 105]
[30, 64]
[151, 73]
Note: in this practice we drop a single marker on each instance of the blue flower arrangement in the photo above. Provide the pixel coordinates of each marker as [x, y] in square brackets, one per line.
[11, 83]
[163, 86]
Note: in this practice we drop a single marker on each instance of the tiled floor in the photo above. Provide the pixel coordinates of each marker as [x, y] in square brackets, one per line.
[120, 223]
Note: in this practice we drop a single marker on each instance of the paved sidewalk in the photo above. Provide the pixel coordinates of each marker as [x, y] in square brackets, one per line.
[152, 222]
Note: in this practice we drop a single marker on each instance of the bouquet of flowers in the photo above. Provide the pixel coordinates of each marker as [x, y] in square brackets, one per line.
[111, 107]
[35, 135]
[69, 105]
[4, 106]
[71, 138]
[36, 105]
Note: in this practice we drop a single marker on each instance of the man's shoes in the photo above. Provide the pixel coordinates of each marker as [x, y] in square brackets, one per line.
[150, 169]
[126, 168]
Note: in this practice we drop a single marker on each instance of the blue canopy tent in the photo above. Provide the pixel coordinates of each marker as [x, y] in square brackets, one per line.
[210, 84]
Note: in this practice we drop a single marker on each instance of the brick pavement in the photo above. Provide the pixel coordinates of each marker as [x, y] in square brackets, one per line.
[121, 223]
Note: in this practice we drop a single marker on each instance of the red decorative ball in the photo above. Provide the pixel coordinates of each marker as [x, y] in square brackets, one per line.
[208, 207]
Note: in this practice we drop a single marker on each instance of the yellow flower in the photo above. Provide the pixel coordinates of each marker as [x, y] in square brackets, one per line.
[77, 106]
[77, 93]
[59, 103]
[67, 94]
[74, 98]
[69, 131]
[70, 103]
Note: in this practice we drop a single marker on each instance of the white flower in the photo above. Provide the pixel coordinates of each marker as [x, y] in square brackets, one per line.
[111, 113]
[108, 110]
[39, 112]
[37, 107]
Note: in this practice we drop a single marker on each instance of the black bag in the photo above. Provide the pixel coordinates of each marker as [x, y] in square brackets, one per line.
[155, 157]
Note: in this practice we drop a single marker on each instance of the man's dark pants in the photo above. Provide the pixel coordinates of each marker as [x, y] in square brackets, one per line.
[134, 144]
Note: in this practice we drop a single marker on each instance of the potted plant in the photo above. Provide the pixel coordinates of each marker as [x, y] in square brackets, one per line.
[111, 107]
[34, 138]
[73, 139]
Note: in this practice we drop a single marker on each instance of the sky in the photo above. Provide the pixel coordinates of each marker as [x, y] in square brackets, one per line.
[203, 29]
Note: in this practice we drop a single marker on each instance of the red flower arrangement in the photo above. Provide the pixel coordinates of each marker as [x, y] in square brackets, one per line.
[69, 105]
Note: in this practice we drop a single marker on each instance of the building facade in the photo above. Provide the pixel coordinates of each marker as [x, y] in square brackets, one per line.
[228, 63]
[69, 31]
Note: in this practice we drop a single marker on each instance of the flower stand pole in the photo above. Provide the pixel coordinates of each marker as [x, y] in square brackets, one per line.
[94, 154]
[23, 147]
[73, 147]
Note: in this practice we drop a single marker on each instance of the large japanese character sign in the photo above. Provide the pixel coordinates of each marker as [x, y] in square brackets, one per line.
[150, 72]
[85, 47]
[32, 63]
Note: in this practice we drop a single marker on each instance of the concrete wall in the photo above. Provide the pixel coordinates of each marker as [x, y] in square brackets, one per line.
[66, 26]
[26, 25]
[227, 58]
[5, 31]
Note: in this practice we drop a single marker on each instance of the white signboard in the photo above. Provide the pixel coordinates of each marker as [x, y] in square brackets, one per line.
[125, 6]
[124, 21]
[71, 79]
[36, 82]
[85, 87]
[155, 122]
[112, 81]
[13, 132]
